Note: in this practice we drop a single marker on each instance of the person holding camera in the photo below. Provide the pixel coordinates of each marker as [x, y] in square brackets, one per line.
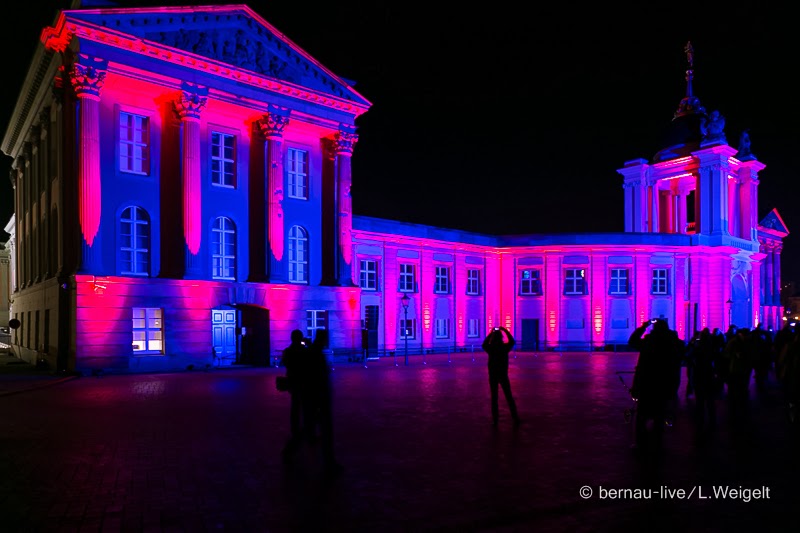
[294, 359]
[656, 378]
[498, 349]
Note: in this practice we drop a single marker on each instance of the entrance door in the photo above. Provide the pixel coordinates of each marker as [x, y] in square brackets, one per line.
[223, 327]
[371, 316]
[530, 335]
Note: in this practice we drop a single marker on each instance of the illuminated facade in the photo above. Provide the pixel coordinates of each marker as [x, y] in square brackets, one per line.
[182, 197]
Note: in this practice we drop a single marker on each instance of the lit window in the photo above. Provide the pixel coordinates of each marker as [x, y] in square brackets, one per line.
[316, 319]
[442, 328]
[574, 281]
[442, 285]
[133, 143]
[297, 169]
[223, 164]
[660, 281]
[408, 328]
[368, 276]
[223, 249]
[473, 281]
[530, 282]
[619, 281]
[298, 255]
[408, 278]
[148, 330]
[473, 327]
[134, 233]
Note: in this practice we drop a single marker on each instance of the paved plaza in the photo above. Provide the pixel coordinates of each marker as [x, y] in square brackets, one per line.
[199, 451]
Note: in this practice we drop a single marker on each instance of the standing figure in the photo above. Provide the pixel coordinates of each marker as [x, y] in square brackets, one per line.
[498, 349]
[656, 379]
[294, 359]
[705, 355]
[318, 409]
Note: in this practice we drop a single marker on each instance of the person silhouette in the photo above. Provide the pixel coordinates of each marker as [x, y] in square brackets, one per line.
[318, 409]
[656, 378]
[498, 349]
[293, 359]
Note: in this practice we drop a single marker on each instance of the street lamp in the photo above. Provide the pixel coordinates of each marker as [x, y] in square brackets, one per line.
[730, 312]
[405, 300]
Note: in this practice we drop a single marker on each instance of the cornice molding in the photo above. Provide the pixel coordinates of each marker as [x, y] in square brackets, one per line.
[71, 28]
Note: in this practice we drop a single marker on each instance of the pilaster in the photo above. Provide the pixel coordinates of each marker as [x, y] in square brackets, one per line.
[88, 75]
[272, 126]
[188, 106]
[345, 140]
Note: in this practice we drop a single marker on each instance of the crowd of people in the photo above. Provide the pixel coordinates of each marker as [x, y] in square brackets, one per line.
[717, 364]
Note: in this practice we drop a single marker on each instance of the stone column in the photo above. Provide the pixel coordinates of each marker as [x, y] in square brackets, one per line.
[654, 208]
[272, 126]
[88, 75]
[344, 140]
[188, 106]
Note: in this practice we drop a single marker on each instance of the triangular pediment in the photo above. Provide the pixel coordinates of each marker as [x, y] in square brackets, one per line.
[234, 35]
[774, 222]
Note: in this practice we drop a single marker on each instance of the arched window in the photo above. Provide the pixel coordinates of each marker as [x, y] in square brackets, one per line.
[298, 255]
[134, 250]
[223, 249]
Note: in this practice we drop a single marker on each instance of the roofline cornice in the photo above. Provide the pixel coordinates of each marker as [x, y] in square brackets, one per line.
[67, 28]
[42, 69]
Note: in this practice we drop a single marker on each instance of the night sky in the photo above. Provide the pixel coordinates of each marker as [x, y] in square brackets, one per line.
[515, 120]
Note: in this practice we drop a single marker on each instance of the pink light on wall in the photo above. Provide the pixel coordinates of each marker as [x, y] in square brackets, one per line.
[272, 127]
[598, 320]
[88, 75]
[552, 321]
[188, 106]
[426, 316]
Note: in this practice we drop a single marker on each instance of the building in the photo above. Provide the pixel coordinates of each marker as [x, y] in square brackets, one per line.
[182, 197]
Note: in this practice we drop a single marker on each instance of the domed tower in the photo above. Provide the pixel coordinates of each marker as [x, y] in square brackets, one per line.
[700, 187]
[697, 184]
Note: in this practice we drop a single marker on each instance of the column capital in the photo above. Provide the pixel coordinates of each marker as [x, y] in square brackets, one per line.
[88, 74]
[272, 124]
[191, 101]
[344, 141]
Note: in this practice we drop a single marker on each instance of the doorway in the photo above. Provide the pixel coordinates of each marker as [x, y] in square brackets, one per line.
[223, 334]
[530, 335]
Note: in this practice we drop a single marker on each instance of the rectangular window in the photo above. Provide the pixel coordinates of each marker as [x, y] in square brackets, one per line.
[408, 328]
[619, 281]
[368, 276]
[223, 163]
[134, 138]
[315, 319]
[473, 281]
[442, 285]
[473, 327]
[148, 330]
[408, 278]
[660, 281]
[297, 169]
[574, 281]
[530, 282]
[442, 328]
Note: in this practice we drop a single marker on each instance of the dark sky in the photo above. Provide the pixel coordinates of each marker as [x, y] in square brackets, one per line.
[515, 119]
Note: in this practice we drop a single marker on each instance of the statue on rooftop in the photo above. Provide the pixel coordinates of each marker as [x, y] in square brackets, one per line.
[744, 152]
[713, 127]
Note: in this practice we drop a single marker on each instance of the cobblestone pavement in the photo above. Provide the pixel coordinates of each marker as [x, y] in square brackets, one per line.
[200, 451]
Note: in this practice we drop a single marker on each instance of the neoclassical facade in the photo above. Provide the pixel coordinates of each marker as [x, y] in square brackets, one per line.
[182, 197]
